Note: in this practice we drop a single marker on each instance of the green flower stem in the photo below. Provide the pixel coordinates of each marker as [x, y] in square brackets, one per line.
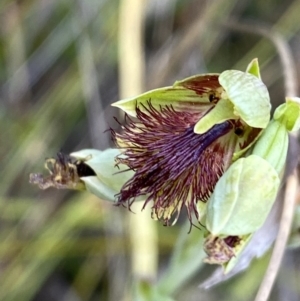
[186, 260]
[143, 235]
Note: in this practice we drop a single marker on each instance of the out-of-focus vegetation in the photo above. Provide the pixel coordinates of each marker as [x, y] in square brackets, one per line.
[58, 76]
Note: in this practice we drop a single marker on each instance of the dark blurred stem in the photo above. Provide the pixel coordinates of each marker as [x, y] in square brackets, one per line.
[291, 89]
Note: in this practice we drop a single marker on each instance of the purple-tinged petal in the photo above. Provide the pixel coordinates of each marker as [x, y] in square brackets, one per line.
[198, 94]
[174, 167]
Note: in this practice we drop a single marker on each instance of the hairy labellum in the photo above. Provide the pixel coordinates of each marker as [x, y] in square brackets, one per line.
[173, 165]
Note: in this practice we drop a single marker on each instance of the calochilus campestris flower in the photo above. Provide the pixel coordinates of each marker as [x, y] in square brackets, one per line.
[245, 193]
[179, 140]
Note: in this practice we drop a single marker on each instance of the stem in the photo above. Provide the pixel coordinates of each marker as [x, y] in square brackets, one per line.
[142, 231]
[282, 237]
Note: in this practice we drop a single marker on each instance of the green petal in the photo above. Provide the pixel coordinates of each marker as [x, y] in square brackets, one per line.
[249, 96]
[242, 197]
[99, 189]
[273, 145]
[253, 68]
[110, 179]
[289, 114]
[191, 94]
[221, 112]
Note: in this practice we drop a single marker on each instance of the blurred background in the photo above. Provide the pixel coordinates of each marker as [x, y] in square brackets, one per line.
[62, 64]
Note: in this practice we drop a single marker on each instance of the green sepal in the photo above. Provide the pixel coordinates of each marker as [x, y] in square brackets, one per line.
[96, 187]
[221, 112]
[288, 114]
[184, 95]
[109, 179]
[273, 145]
[242, 198]
[253, 68]
[249, 96]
